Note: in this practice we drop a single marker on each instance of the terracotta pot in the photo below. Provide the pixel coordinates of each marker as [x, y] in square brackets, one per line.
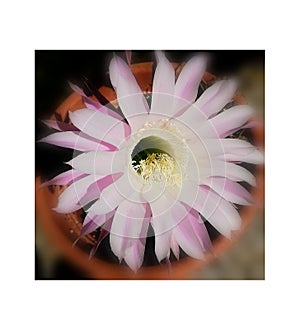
[62, 230]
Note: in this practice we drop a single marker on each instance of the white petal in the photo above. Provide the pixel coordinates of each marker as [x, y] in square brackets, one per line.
[187, 83]
[100, 162]
[174, 247]
[166, 214]
[241, 151]
[189, 244]
[130, 97]
[91, 223]
[220, 213]
[227, 170]
[64, 178]
[231, 150]
[98, 125]
[131, 187]
[163, 87]
[110, 198]
[226, 122]
[229, 190]
[214, 99]
[186, 237]
[74, 140]
[95, 189]
[193, 118]
[162, 244]
[134, 254]
[129, 224]
[68, 200]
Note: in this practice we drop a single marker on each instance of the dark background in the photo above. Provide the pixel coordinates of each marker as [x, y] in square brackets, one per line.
[53, 70]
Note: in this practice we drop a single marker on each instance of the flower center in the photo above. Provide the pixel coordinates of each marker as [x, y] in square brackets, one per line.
[158, 167]
[153, 163]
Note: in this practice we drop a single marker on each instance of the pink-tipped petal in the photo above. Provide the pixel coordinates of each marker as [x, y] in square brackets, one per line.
[69, 199]
[92, 222]
[231, 171]
[162, 224]
[129, 226]
[91, 104]
[191, 241]
[166, 215]
[105, 230]
[193, 119]
[64, 178]
[128, 54]
[130, 97]
[95, 105]
[127, 129]
[187, 84]
[59, 126]
[174, 247]
[216, 209]
[231, 150]
[162, 244]
[219, 212]
[99, 126]
[75, 140]
[229, 190]
[214, 99]
[99, 162]
[231, 119]
[162, 209]
[94, 191]
[253, 157]
[109, 199]
[200, 230]
[134, 254]
[187, 239]
[77, 89]
[163, 86]
[236, 150]
[131, 186]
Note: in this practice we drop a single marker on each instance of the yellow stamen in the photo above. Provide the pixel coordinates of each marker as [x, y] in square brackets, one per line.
[158, 167]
